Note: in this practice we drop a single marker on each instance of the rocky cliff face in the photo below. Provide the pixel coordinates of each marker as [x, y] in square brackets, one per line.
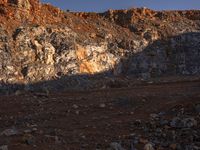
[41, 43]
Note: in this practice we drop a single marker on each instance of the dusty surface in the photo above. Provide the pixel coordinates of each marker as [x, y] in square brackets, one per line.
[118, 80]
[126, 118]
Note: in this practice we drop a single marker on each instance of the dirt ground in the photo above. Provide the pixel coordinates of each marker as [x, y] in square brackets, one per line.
[95, 119]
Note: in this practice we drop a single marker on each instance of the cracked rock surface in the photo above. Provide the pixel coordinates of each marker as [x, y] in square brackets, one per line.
[47, 44]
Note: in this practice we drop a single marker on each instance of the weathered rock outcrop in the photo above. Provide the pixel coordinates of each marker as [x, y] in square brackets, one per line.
[47, 44]
[21, 3]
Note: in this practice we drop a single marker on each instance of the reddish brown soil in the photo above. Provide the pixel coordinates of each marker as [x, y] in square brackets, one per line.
[87, 120]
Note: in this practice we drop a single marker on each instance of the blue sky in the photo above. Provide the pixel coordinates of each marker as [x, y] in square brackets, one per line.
[102, 5]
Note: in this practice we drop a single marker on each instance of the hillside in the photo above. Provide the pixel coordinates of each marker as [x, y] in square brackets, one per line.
[117, 80]
[40, 43]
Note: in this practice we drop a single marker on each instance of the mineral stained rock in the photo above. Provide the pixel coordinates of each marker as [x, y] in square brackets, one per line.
[39, 42]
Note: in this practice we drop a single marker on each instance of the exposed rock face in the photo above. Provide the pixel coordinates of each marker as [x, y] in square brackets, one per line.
[3, 1]
[40, 55]
[46, 43]
[27, 4]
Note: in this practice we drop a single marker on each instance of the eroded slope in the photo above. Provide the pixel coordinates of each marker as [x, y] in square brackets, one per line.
[39, 42]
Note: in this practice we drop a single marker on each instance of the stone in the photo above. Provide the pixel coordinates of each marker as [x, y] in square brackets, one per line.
[34, 129]
[27, 4]
[154, 116]
[164, 122]
[75, 106]
[57, 140]
[10, 132]
[189, 122]
[176, 122]
[183, 123]
[28, 131]
[18, 92]
[77, 112]
[93, 35]
[3, 1]
[4, 147]
[116, 146]
[143, 141]
[102, 105]
[29, 139]
[197, 108]
[148, 146]
[173, 146]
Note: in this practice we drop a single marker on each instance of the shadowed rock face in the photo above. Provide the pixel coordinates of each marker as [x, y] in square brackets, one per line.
[48, 43]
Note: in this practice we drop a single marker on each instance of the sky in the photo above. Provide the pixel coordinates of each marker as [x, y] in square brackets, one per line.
[103, 5]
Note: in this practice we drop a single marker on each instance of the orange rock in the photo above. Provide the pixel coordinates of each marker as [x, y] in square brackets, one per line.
[3, 1]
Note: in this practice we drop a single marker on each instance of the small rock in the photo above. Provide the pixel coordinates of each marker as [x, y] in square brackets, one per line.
[4, 147]
[34, 129]
[28, 139]
[27, 131]
[176, 122]
[165, 144]
[116, 146]
[93, 35]
[183, 123]
[102, 105]
[154, 116]
[148, 146]
[10, 132]
[189, 122]
[161, 113]
[18, 92]
[163, 122]
[197, 108]
[143, 141]
[57, 140]
[77, 112]
[173, 146]
[83, 137]
[75, 106]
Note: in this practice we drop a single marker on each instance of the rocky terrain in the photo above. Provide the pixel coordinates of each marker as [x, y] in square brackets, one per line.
[41, 43]
[121, 79]
[145, 117]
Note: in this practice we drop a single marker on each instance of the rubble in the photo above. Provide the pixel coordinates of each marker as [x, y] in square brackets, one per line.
[105, 119]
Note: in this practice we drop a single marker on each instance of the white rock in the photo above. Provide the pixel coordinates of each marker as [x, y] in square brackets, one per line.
[148, 146]
[102, 105]
[9, 132]
[4, 147]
